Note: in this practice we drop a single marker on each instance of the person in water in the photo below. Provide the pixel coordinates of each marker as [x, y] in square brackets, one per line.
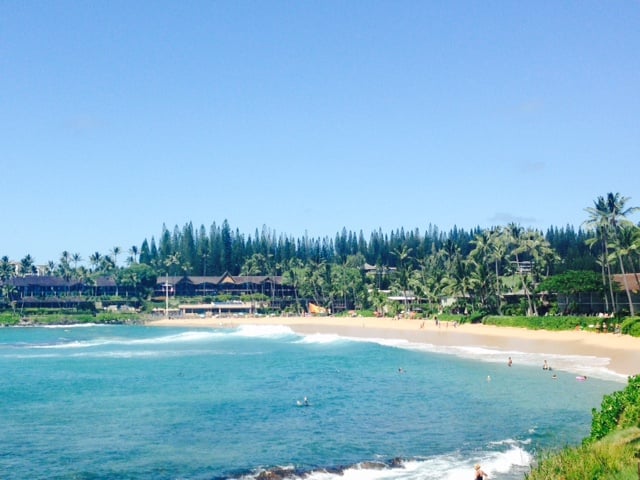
[510, 362]
[480, 474]
[546, 366]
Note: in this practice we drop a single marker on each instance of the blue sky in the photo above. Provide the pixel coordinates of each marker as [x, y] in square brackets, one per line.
[118, 117]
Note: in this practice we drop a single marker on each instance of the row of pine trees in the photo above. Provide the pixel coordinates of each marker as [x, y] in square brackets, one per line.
[465, 263]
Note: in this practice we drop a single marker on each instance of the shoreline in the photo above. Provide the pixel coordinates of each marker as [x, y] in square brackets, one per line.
[622, 351]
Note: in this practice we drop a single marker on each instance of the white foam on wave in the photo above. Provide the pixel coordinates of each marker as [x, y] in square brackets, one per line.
[69, 345]
[74, 325]
[321, 338]
[589, 365]
[263, 331]
[184, 337]
[188, 336]
[511, 463]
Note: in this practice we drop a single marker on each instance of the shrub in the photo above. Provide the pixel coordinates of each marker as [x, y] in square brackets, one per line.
[620, 409]
[631, 326]
[599, 461]
[538, 323]
[477, 317]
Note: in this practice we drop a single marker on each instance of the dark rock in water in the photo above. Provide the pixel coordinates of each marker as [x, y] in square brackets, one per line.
[276, 473]
[284, 473]
[334, 470]
[372, 465]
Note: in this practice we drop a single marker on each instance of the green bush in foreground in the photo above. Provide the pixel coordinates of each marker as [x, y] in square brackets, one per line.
[610, 452]
[614, 460]
[618, 410]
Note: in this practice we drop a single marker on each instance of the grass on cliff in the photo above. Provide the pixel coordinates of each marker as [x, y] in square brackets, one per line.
[611, 452]
[612, 458]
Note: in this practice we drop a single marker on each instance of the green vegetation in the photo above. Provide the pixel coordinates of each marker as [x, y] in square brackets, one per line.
[551, 322]
[506, 276]
[613, 458]
[631, 326]
[573, 282]
[505, 270]
[43, 318]
[618, 410]
[612, 450]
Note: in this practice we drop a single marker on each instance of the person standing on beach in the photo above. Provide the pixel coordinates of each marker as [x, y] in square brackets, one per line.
[510, 362]
[480, 474]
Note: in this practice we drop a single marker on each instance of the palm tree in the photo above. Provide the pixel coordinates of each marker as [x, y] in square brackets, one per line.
[26, 266]
[50, 268]
[256, 264]
[482, 247]
[291, 276]
[482, 284]
[95, 259]
[65, 257]
[173, 261]
[107, 264]
[519, 245]
[314, 281]
[404, 270]
[634, 250]
[432, 276]
[339, 283]
[7, 270]
[487, 251]
[499, 249]
[76, 259]
[115, 251]
[134, 252]
[606, 218]
[621, 247]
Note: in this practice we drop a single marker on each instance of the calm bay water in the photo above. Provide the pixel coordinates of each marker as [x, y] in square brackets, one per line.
[123, 402]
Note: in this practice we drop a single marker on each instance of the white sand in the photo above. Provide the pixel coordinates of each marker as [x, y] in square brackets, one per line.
[622, 350]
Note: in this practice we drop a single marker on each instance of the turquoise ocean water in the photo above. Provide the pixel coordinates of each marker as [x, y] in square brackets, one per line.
[135, 402]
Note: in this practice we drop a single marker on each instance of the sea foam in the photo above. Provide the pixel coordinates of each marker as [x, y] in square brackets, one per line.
[265, 331]
[510, 463]
[589, 365]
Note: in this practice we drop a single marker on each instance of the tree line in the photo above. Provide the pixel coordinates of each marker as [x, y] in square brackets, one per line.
[477, 266]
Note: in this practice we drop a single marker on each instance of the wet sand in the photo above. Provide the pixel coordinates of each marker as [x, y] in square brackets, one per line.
[622, 351]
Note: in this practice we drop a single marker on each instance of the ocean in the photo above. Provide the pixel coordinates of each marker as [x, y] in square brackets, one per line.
[137, 402]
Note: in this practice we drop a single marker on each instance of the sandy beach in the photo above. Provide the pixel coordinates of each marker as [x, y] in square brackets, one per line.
[622, 351]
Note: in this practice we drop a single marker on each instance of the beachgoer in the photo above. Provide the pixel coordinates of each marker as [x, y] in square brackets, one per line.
[305, 401]
[554, 376]
[480, 474]
[545, 366]
[510, 362]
